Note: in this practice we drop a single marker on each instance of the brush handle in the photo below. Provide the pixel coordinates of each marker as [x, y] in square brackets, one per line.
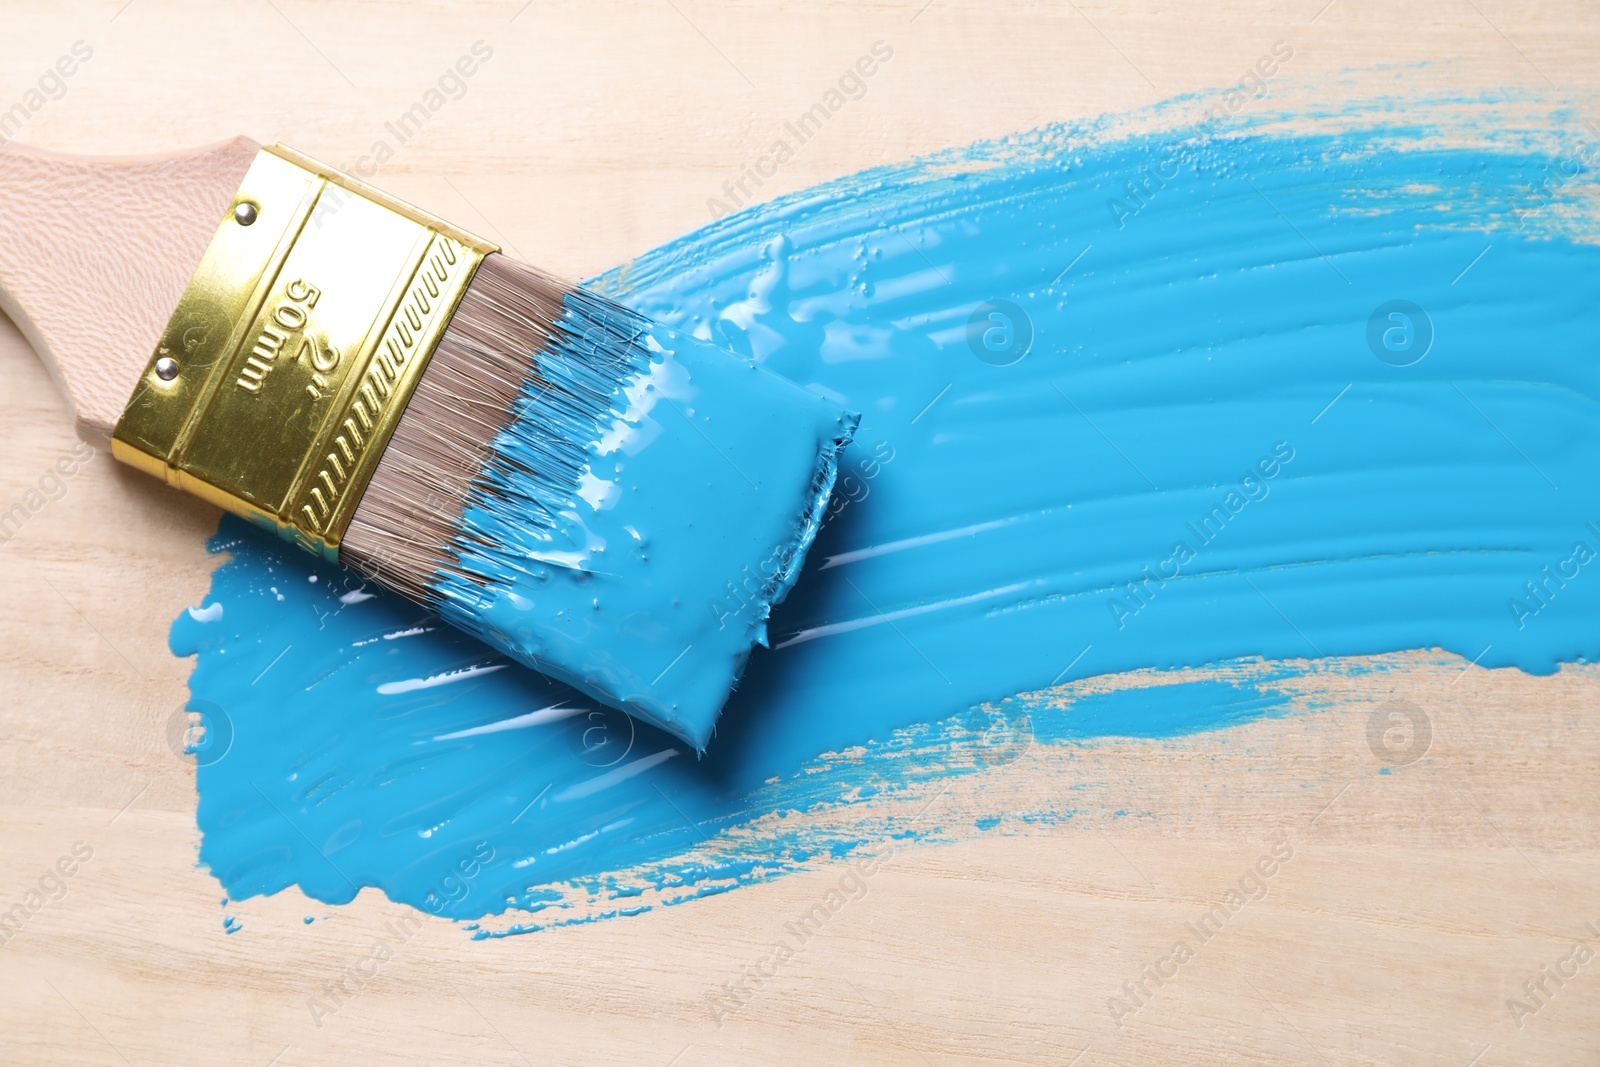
[94, 254]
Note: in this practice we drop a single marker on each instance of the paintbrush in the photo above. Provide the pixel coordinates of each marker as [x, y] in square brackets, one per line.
[600, 498]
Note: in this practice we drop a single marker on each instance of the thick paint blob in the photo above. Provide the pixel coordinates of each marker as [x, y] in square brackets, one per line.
[1149, 401]
[643, 474]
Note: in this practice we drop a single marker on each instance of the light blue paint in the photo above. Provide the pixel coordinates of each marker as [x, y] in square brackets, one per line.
[1156, 711]
[648, 503]
[995, 527]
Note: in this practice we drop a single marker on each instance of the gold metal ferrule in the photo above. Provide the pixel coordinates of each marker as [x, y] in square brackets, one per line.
[294, 350]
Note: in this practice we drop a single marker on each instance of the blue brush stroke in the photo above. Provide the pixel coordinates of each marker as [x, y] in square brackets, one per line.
[1209, 371]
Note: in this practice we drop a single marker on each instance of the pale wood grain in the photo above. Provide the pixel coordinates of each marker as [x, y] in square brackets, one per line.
[1416, 903]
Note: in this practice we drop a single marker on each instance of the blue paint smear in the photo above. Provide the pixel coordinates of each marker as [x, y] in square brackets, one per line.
[1218, 443]
[1154, 711]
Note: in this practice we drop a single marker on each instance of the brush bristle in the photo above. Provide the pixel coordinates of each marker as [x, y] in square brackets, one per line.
[601, 498]
[511, 317]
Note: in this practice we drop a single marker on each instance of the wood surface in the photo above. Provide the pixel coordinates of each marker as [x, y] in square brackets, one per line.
[1415, 902]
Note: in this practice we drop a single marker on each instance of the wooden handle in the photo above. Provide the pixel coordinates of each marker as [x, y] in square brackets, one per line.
[94, 254]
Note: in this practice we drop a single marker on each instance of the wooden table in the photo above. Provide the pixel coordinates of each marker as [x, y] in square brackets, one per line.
[1414, 904]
